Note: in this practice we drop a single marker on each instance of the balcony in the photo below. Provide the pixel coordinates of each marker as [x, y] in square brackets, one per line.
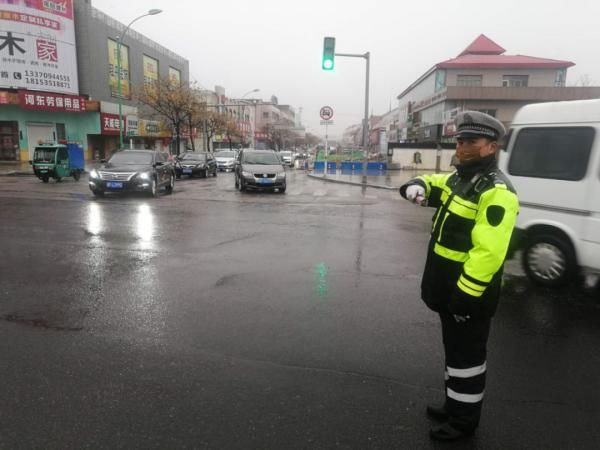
[532, 94]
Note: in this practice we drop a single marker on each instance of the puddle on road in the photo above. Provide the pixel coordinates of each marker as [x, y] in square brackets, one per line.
[37, 323]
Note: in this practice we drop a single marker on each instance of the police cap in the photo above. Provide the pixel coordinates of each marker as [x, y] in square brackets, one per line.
[475, 123]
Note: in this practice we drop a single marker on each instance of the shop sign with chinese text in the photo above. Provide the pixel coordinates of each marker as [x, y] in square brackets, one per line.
[48, 101]
[37, 46]
[109, 124]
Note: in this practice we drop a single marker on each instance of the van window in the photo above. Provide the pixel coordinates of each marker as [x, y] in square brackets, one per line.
[560, 153]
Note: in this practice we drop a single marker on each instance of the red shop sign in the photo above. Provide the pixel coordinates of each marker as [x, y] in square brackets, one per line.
[48, 101]
[109, 124]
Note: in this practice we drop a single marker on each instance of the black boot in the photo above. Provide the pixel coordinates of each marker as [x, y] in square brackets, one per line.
[446, 432]
[438, 413]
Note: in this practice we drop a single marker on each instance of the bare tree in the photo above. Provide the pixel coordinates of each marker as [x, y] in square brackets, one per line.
[171, 101]
[214, 123]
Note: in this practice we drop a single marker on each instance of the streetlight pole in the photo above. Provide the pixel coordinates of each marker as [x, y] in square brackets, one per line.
[151, 12]
[244, 108]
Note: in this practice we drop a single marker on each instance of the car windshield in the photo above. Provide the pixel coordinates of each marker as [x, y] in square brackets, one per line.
[286, 153]
[44, 154]
[131, 158]
[194, 157]
[226, 154]
[261, 158]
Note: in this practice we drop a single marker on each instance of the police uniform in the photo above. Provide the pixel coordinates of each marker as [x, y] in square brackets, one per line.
[476, 212]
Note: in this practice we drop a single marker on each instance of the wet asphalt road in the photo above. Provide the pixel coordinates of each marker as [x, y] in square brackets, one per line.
[218, 319]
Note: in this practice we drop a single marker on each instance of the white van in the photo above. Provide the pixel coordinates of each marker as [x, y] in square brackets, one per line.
[552, 157]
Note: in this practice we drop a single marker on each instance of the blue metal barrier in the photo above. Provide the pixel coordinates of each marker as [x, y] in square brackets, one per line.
[331, 167]
[346, 167]
[357, 166]
[319, 166]
[376, 168]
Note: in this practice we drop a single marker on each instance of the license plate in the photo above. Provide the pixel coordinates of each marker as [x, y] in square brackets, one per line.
[187, 170]
[43, 171]
[114, 184]
[265, 181]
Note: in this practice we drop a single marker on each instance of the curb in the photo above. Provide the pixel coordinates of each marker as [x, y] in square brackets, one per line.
[353, 183]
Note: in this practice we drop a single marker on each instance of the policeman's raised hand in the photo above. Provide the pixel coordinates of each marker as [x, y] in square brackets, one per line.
[415, 193]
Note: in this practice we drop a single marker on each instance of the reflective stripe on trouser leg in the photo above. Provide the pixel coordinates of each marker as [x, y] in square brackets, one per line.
[465, 348]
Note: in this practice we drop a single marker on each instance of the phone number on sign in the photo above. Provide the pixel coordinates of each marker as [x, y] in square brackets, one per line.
[47, 76]
[52, 83]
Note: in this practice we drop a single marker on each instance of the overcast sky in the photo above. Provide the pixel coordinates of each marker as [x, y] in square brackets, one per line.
[276, 45]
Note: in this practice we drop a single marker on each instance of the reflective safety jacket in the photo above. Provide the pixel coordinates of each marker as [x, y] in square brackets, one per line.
[471, 231]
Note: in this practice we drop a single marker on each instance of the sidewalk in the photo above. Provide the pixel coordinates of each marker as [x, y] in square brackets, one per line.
[391, 180]
[23, 168]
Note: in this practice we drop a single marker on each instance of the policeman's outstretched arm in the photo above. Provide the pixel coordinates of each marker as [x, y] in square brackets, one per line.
[425, 188]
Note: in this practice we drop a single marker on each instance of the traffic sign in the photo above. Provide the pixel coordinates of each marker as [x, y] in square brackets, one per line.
[326, 113]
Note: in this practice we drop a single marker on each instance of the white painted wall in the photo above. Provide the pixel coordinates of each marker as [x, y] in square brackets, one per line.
[405, 157]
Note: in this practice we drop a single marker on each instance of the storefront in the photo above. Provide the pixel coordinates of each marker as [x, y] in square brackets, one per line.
[28, 118]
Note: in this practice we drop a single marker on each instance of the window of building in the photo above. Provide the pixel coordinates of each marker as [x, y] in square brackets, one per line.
[561, 75]
[440, 80]
[265, 115]
[515, 80]
[560, 153]
[61, 133]
[469, 80]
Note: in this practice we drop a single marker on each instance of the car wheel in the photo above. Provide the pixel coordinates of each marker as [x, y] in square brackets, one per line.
[45, 179]
[58, 179]
[98, 193]
[282, 190]
[169, 187]
[549, 260]
[153, 188]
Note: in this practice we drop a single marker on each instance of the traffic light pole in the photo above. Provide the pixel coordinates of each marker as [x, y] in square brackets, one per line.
[367, 57]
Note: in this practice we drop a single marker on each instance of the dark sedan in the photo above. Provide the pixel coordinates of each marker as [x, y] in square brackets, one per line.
[196, 164]
[260, 169]
[134, 171]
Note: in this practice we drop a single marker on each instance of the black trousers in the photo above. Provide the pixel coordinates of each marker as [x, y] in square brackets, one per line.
[465, 346]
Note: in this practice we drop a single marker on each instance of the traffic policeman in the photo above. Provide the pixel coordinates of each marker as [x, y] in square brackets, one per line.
[476, 209]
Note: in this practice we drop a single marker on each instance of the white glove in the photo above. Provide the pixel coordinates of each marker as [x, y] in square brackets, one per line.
[415, 193]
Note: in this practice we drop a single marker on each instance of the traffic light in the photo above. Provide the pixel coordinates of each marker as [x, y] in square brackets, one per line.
[328, 53]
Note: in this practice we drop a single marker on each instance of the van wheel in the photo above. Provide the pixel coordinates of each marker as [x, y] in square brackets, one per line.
[549, 260]
[45, 179]
[76, 175]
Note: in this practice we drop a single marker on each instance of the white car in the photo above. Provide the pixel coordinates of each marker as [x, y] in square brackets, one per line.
[287, 157]
[553, 161]
[225, 160]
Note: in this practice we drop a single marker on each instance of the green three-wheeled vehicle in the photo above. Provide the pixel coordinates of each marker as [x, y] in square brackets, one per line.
[57, 161]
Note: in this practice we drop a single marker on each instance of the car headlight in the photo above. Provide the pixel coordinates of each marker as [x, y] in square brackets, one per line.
[144, 176]
[281, 175]
[247, 174]
[94, 173]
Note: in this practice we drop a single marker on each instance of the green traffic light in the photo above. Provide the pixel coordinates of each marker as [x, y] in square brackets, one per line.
[328, 53]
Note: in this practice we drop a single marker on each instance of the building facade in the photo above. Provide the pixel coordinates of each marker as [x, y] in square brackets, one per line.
[58, 79]
[481, 78]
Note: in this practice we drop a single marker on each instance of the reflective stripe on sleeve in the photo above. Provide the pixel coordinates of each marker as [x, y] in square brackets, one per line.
[473, 286]
[465, 398]
[467, 373]
[468, 290]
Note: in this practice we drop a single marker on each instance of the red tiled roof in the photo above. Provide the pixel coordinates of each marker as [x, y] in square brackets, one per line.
[480, 61]
[483, 45]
